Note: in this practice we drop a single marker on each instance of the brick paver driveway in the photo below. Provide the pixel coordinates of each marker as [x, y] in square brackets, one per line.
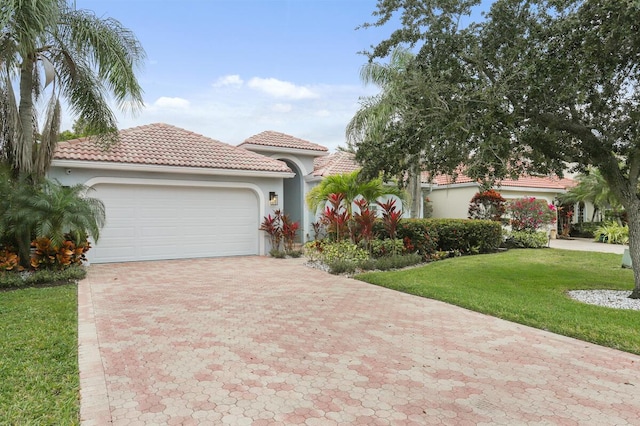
[260, 341]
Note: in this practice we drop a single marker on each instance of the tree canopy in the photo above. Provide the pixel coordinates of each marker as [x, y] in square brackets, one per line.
[50, 49]
[535, 85]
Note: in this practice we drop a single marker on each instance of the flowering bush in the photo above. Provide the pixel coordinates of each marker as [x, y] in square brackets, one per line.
[530, 214]
[487, 205]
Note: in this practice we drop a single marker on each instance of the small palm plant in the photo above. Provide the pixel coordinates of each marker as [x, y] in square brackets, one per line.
[48, 210]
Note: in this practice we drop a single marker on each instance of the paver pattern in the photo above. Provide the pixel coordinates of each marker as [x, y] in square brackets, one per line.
[262, 341]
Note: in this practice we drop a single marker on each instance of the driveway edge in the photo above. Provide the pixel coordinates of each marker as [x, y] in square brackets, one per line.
[94, 399]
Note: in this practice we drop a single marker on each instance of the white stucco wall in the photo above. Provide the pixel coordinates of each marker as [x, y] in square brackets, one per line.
[70, 175]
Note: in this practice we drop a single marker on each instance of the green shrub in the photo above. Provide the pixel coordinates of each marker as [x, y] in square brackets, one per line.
[342, 267]
[313, 249]
[585, 229]
[387, 247]
[612, 233]
[277, 254]
[294, 253]
[418, 236]
[467, 236]
[427, 236]
[343, 251]
[11, 279]
[527, 239]
[391, 262]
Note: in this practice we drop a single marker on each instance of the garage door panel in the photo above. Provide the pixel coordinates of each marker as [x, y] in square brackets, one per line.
[149, 222]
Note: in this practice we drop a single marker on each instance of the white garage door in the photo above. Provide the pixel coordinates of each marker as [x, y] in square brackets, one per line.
[148, 222]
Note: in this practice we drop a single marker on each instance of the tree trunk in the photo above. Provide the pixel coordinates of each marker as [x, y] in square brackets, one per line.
[634, 244]
[24, 145]
[23, 149]
[415, 191]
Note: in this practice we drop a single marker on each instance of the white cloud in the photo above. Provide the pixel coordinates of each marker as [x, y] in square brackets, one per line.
[173, 103]
[281, 89]
[281, 108]
[229, 80]
[233, 116]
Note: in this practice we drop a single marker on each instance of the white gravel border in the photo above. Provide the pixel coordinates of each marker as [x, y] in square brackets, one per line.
[617, 299]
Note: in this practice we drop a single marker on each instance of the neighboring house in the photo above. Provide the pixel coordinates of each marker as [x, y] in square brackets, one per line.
[170, 193]
[450, 199]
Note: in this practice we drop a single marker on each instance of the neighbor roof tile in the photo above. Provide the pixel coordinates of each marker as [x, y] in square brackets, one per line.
[282, 140]
[526, 181]
[166, 145]
[337, 163]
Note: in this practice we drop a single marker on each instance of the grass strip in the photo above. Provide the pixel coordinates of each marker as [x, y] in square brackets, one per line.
[529, 287]
[39, 379]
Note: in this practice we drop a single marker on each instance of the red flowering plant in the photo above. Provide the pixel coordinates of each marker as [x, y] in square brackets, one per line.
[336, 217]
[390, 217]
[530, 214]
[289, 231]
[271, 225]
[364, 220]
[281, 230]
[488, 205]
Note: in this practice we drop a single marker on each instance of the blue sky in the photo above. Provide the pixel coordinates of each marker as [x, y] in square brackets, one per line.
[229, 69]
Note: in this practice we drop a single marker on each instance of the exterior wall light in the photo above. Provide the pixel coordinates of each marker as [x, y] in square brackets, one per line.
[273, 198]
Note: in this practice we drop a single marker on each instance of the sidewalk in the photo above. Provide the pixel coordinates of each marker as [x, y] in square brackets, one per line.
[586, 244]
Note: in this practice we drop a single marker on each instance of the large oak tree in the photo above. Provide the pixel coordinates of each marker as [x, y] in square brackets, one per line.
[533, 85]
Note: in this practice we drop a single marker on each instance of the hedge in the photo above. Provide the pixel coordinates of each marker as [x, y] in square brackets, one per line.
[427, 236]
[468, 235]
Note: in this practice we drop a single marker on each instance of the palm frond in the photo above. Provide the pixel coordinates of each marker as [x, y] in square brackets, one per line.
[49, 137]
[113, 48]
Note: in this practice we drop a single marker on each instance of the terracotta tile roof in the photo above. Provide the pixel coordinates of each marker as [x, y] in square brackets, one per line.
[281, 140]
[541, 182]
[546, 182]
[166, 145]
[334, 164]
[446, 179]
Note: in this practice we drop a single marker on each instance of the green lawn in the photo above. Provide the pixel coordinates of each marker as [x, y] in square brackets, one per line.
[39, 379]
[528, 287]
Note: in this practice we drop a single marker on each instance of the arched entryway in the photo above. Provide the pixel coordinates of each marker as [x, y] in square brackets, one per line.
[293, 199]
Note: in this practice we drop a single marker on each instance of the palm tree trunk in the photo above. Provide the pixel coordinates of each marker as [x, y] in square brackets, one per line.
[23, 155]
[23, 158]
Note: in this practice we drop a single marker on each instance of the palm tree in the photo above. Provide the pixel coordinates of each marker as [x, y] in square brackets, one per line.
[351, 186]
[47, 210]
[593, 188]
[377, 113]
[47, 47]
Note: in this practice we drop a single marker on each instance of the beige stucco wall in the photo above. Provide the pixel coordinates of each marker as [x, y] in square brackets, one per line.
[452, 203]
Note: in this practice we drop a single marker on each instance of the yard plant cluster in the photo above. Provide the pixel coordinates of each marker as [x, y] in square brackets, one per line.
[527, 217]
[44, 230]
[373, 235]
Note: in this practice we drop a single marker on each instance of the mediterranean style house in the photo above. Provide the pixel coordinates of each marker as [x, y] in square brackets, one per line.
[170, 193]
